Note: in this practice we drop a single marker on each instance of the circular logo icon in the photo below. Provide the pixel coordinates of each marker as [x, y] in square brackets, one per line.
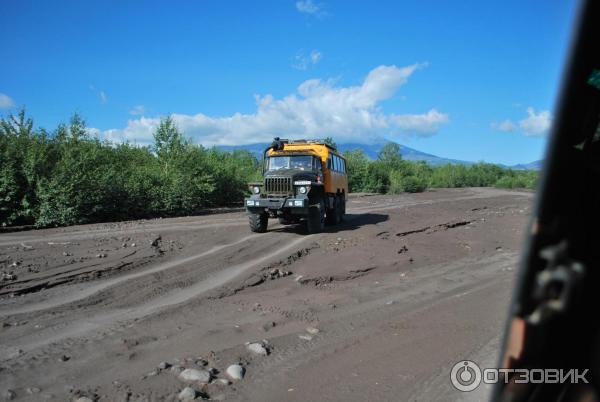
[465, 376]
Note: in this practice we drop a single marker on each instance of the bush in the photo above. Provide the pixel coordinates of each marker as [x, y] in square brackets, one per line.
[71, 178]
[399, 183]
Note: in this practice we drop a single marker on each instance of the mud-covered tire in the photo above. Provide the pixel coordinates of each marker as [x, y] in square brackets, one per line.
[342, 208]
[258, 222]
[315, 222]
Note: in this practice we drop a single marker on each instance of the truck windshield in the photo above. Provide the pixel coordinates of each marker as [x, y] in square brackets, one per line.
[301, 162]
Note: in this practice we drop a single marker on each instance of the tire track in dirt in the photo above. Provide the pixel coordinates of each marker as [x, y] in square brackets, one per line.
[90, 234]
[87, 292]
[106, 320]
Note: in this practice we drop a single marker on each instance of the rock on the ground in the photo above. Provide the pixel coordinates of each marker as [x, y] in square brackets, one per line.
[312, 330]
[193, 375]
[9, 395]
[187, 394]
[164, 365]
[83, 399]
[176, 368]
[235, 372]
[257, 348]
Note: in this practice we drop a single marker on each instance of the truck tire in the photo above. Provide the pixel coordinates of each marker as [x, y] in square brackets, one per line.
[331, 214]
[342, 208]
[334, 214]
[258, 222]
[315, 222]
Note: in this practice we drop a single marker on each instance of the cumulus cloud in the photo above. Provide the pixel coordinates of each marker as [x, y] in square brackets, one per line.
[137, 110]
[423, 124]
[318, 108]
[534, 125]
[6, 101]
[302, 61]
[308, 7]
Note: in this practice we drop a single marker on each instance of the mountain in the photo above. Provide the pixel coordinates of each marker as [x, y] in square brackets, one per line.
[410, 154]
[372, 150]
[535, 165]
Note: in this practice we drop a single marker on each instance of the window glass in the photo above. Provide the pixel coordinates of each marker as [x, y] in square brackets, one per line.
[301, 162]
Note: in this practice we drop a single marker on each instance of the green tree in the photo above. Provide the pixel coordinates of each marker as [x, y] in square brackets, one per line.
[169, 143]
[357, 167]
[329, 141]
[390, 155]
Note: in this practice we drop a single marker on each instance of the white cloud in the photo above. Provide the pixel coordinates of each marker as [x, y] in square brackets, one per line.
[315, 56]
[302, 61]
[536, 124]
[137, 110]
[308, 7]
[423, 124]
[506, 126]
[317, 109]
[103, 97]
[6, 101]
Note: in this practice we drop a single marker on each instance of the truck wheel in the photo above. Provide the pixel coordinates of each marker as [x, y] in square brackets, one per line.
[342, 208]
[339, 210]
[315, 221]
[334, 214]
[258, 222]
[331, 214]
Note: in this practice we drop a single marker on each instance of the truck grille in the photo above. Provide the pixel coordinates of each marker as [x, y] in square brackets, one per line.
[278, 185]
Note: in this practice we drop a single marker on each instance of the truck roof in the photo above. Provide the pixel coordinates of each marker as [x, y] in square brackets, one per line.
[318, 147]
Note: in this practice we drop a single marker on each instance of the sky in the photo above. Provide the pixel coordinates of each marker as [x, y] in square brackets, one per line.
[466, 80]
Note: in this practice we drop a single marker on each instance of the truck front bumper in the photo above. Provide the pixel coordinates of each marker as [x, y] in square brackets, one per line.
[293, 205]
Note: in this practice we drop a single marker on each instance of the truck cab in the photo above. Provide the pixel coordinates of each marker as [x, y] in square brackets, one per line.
[304, 181]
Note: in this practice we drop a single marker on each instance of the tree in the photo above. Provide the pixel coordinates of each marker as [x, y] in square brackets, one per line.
[357, 167]
[390, 155]
[329, 141]
[168, 142]
[16, 134]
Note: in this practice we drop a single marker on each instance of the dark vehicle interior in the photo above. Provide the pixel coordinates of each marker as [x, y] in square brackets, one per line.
[553, 320]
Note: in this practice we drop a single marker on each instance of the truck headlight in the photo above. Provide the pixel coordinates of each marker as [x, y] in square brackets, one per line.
[256, 190]
[302, 190]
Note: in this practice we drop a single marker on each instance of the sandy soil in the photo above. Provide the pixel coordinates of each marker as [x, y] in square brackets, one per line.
[405, 288]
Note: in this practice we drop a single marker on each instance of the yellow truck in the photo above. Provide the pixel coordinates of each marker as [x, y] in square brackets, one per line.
[303, 181]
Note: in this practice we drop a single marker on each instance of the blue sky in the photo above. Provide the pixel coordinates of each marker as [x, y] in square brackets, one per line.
[467, 80]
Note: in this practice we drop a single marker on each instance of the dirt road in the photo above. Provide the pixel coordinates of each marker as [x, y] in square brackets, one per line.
[377, 309]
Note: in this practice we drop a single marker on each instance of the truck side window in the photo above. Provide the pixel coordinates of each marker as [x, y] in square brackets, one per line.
[329, 163]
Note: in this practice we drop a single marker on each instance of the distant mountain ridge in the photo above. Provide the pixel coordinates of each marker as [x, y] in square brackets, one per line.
[372, 150]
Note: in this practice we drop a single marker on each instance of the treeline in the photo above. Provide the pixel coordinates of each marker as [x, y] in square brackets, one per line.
[389, 173]
[68, 177]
